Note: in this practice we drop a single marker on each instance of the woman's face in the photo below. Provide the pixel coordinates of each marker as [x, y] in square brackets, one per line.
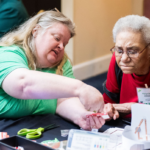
[128, 40]
[50, 44]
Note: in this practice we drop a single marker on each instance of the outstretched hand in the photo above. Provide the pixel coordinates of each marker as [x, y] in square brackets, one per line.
[73, 110]
[90, 122]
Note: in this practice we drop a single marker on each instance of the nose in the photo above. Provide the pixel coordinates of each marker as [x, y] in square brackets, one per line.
[125, 57]
[61, 46]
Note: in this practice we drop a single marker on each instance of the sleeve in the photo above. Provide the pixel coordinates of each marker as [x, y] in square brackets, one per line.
[111, 83]
[11, 60]
[67, 70]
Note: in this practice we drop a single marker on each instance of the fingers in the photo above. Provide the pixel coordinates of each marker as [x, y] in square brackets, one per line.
[88, 126]
[109, 109]
[96, 122]
[116, 115]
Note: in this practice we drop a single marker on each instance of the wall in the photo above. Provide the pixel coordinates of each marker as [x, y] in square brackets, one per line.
[67, 8]
[94, 21]
[137, 7]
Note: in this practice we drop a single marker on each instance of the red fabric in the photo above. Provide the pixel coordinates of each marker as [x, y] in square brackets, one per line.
[146, 8]
[129, 84]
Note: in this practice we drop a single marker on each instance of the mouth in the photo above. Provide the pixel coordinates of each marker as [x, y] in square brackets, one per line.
[126, 66]
[56, 52]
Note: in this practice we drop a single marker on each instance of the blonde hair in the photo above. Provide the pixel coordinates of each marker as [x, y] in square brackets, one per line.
[23, 37]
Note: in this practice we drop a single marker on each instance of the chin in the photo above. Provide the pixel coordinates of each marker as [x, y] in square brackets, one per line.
[127, 71]
[53, 60]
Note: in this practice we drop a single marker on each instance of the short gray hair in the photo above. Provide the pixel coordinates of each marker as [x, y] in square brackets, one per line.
[133, 23]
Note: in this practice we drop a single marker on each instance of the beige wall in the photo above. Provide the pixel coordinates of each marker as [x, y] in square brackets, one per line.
[137, 7]
[94, 20]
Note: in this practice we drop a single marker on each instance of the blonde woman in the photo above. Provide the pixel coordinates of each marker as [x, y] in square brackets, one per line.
[30, 58]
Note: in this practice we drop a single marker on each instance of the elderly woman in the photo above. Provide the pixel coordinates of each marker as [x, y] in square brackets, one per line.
[130, 65]
[30, 58]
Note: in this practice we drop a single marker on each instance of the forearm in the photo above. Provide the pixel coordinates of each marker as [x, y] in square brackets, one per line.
[73, 110]
[70, 109]
[123, 108]
[26, 84]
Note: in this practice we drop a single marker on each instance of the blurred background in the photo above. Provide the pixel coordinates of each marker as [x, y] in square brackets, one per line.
[89, 50]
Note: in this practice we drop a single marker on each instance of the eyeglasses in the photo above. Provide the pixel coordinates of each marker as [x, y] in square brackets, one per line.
[132, 53]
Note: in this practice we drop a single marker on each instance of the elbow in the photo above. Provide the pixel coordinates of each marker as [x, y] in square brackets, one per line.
[79, 88]
[23, 89]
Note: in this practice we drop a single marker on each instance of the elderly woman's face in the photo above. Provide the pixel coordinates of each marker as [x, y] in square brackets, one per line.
[128, 41]
[50, 44]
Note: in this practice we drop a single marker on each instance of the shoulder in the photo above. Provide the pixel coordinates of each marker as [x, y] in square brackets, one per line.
[67, 70]
[12, 49]
[12, 52]
[67, 65]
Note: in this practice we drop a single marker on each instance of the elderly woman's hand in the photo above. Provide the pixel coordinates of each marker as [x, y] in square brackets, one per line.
[111, 111]
[123, 108]
[91, 98]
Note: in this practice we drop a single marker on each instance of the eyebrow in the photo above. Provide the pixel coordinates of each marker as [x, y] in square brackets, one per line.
[130, 47]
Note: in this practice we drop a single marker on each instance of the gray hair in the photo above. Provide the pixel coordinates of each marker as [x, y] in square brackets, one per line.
[133, 23]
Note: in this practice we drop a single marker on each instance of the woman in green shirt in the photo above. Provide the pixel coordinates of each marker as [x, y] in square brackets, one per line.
[34, 71]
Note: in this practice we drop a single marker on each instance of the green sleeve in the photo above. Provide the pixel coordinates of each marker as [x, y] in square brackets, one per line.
[11, 58]
[67, 70]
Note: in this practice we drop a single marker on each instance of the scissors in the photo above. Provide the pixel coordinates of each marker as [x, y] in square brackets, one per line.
[35, 133]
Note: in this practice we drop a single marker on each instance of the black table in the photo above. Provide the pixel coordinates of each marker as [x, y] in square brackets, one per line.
[12, 126]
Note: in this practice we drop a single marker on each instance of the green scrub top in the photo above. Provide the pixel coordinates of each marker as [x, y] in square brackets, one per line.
[11, 58]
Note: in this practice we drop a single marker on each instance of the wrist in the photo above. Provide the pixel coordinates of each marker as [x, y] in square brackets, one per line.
[80, 89]
[123, 108]
[115, 106]
[77, 119]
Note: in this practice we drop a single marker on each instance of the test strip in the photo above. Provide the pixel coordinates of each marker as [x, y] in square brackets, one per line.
[103, 115]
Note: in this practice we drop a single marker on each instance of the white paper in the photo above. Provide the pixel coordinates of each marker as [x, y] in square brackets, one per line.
[115, 142]
[130, 139]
